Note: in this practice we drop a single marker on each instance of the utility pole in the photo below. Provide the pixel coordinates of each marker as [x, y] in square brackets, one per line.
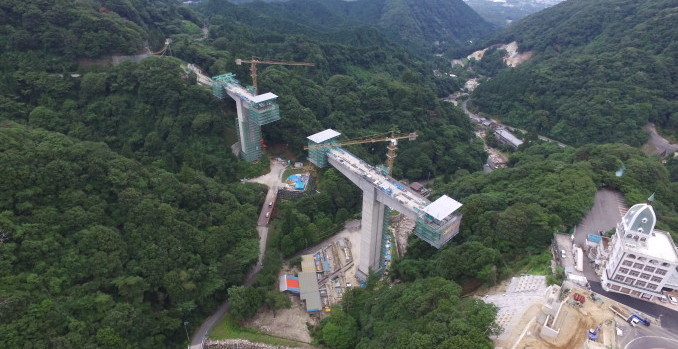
[187, 338]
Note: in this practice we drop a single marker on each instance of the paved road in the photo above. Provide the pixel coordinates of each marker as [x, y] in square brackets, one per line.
[642, 337]
[653, 342]
[668, 317]
[272, 180]
[201, 334]
[659, 144]
[479, 119]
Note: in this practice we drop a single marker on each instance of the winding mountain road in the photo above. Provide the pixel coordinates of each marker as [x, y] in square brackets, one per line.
[272, 180]
[479, 119]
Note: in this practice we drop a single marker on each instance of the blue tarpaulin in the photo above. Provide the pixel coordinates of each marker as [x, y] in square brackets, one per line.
[595, 238]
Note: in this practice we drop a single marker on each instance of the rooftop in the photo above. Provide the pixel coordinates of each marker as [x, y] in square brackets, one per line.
[289, 283]
[509, 137]
[442, 207]
[323, 136]
[659, 245]
[262, 98]
[672, 281]
[308, 284]
[307, 264]
[640, 218]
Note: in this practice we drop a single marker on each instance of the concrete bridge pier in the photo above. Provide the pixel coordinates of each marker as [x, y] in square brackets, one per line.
[372, 227]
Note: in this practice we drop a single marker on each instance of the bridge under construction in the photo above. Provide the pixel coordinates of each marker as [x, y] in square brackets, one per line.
[436, 222]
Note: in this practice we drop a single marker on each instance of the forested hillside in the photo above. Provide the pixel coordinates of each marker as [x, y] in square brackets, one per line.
[427, 313]
[510, 216]
[121, 215]
[601, 70]
[357, 89]
[98, 250]
[512, 213]
[71, 29]
[433, 25]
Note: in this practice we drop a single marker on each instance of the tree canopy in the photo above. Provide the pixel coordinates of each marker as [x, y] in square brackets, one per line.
[600, 71]
[426, 313]
[99, 250]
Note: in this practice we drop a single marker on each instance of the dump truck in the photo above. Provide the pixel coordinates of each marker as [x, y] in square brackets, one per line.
[629, 317]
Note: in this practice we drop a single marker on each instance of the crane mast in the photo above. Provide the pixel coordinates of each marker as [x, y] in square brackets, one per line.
[253, 67]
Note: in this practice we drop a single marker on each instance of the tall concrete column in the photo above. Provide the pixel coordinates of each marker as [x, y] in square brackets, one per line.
[242, 128]
[371, 231]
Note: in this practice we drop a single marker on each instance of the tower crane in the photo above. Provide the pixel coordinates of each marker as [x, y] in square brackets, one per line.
[392, 146]
[253, 67]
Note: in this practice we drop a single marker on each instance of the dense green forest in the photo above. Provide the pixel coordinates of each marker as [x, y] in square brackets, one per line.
[122, 217]
[512, 213]
[431, 25]
[503, 13]
[359, 90]
[136, 156]
[426, 313]
[101, 251]
[601, 70]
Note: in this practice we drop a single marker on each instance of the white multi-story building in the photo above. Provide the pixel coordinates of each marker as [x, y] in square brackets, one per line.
[642, 259]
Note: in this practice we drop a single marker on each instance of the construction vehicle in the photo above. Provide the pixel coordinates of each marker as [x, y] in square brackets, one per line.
[253, 67]
[632, 319]
[593, 333]
[392, 146]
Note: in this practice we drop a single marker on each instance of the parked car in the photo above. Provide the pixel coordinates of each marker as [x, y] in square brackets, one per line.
[673, 300]
[663, 299]
[268, 214]
[562, 254]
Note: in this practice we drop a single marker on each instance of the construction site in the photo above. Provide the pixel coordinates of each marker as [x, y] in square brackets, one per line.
[341, 263]
[533, 315]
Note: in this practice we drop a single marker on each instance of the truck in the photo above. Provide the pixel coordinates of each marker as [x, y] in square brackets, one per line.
[629, 317]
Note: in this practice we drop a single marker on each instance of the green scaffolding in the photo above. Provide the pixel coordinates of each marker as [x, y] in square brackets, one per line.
[251, 137]
[264, 112]
[426, 232]
[318, 156]
[255, 114]
[437, 235]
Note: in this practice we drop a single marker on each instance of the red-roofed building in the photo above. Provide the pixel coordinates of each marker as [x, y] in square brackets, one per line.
[289, 283]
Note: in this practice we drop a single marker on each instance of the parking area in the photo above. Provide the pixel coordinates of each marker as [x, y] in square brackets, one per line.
[668, 302]
[608, 208]
[562, 250]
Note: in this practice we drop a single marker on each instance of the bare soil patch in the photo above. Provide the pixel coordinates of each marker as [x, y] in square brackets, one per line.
[286, 323]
